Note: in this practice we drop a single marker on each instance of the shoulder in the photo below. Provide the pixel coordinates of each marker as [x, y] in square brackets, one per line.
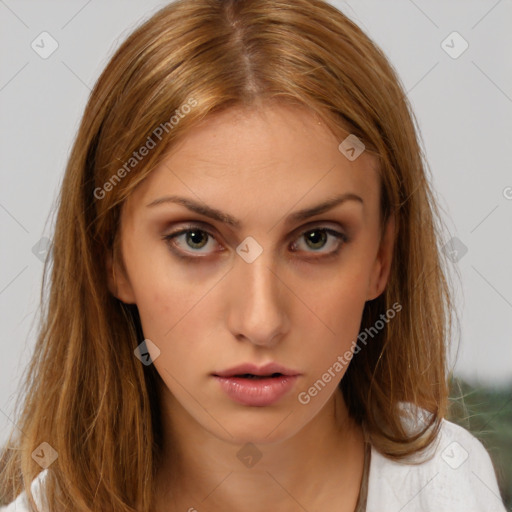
[456, 475]
[20, 504]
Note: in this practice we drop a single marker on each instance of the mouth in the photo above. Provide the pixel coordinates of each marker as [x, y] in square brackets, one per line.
[257, 387]
[258, 377]
[251, 371]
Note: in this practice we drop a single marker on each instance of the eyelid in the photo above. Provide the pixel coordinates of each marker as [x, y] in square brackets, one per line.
[321, 224]
[207, 228]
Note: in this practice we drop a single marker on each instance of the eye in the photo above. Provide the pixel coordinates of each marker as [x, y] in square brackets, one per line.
[190, 239]
[195, 240]
[318, 238]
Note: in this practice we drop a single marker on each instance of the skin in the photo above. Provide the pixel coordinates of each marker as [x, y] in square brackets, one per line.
[293, 305]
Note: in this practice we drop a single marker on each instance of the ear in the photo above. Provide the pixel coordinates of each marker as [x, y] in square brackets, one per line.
[382, 265]
[117, 280]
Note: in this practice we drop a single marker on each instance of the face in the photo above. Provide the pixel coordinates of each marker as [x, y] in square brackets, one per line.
[243, 270]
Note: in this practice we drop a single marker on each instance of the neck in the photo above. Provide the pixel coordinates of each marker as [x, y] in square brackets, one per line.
[320, 464]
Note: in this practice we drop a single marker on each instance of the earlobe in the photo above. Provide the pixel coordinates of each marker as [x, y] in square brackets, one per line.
[382, 265]
[117, 280]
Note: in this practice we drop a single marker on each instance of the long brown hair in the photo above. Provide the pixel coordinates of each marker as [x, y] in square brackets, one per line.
[85, 393]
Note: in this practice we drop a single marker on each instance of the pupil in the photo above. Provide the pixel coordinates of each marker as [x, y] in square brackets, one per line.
[314, 235]
[194, 235]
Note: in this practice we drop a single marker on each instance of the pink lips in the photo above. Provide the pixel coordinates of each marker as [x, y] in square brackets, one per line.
[256, 386]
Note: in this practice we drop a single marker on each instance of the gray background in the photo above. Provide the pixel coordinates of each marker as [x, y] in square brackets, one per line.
[463, 106]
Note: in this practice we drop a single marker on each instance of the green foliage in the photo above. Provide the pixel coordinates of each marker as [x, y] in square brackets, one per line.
[487, 413]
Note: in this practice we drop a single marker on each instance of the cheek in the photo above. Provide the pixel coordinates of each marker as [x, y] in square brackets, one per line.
[157, 294]
[167, 307]
[340, 307]
[157, 312]
[174, 308]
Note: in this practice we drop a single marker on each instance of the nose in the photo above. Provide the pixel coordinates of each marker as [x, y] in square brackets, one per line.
[257, 302]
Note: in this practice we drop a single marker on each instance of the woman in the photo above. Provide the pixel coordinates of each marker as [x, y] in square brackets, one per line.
[248, 305]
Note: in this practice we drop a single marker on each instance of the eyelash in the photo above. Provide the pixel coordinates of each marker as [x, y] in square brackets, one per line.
[341, 238]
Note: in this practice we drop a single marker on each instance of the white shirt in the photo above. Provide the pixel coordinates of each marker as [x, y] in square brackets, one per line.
[458, 478]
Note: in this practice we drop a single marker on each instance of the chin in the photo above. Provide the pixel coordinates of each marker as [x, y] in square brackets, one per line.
[258, 425]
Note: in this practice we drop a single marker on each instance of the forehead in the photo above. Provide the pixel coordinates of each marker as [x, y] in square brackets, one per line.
[244, 159]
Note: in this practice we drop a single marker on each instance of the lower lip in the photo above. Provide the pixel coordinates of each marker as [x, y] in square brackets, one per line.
[257, 392]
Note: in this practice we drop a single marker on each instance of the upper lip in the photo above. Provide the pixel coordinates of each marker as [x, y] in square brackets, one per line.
[267, 369]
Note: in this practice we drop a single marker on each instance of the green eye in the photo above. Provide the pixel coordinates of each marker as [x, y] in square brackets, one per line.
[193, 239]
[317, 238]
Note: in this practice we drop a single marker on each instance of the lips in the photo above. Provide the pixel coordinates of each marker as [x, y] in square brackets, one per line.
[247, 370]
[255, 386]
[258, 377]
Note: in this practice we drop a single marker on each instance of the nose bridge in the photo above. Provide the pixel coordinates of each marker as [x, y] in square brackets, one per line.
[257, 310]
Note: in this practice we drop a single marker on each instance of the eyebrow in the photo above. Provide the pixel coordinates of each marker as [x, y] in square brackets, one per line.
[226, 218]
